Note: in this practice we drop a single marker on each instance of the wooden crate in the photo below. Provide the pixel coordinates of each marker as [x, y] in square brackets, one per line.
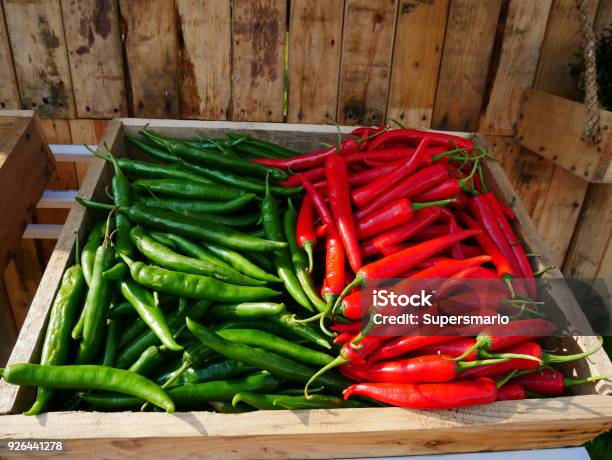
[551, 126]
[508, 425]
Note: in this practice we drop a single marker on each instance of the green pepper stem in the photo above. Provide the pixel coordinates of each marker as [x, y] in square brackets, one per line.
[486, 354]
[569, 381]
[466, 180]
[309, 253]
[462, 365]
[95, 205]
[356, 282]
[481, 341]
[338, 361]
[548, 358]
[417, 206]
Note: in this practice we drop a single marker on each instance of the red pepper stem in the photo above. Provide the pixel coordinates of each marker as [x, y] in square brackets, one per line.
[445, 154]
[569, 381]
[462, 365]
[308, 248]
[353, 284]
[501, 382]
[486, 354]
[482, 341]
[467, 179]
[339, 361]
[548, 358]
[417, 206]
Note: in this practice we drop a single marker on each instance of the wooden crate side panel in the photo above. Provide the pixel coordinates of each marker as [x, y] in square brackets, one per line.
[85, 132]
[39, 52]
[94, 52]
[204, 58]
[367, 44]
[150, 50]
[419, 39]
[315, 42]
[27, 349]
[9, 93]
[518, 58]
[8, 330]
[468, 44]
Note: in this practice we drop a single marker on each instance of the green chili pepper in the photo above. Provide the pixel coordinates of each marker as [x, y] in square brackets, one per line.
[313, 402]
[275, 364]
[136, 328]
[245, 310]
[162, 238]
[120, 310]
[300, 260]
[214, 207]
[191, 227]
[211, 158]
[57, 337]
[90, 377]
[143, 302]
[262, 259]
[273, 229]
[152, 150]
[194, 286]
[185, 188]
[245, 220]
[224, 407]
[189, 248]
[113, 332]
[258, 233]
[148, 362]
[240, 263]
[88, 255]
[136, 347]
[264, 146]
[151, 170]
[116, 272]
[278, 345]
[217, 371]
[97, 303]
[165, 257]
[256, 400]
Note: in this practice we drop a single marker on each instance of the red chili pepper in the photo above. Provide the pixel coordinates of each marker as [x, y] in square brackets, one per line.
[450, 395]
[391, 216]
[471, 251]
[421, 220]
[386, 155]
[413, 136]
[343, 337]
[321, 231]
[313, 175]
[305, 232]
[511, 392]
[399, 346]
[550, 382]
[339, 200]
[369, 192]
[523, 265]
[309, 160]
[534, 349]
[421, 369]
[456, 249]
[367, 176]
[334, 264]
[409, 187]
[431, 231]
[353, 327]
[454, 348]
[447, 189]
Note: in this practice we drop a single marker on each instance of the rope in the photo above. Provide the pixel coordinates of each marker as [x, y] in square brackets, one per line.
[592, 130]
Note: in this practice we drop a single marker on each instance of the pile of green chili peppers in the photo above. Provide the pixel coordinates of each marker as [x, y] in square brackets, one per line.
[188, 291]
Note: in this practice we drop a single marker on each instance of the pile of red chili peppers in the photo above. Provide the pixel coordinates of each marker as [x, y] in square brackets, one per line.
[406, 203]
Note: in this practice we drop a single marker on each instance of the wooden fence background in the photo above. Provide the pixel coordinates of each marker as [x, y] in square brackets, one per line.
[447, 64]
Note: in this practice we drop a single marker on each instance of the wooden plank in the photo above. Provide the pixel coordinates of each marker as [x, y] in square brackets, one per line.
[94, 52]
[315, 41]
[8, 331]
[21, 278]
[43, 231]
[25, 168]
[591, 240]
[470, 34]
[552, 127]
[366, 63]
[419, 38]
[258, 59]
[518, 58]
[320, 433]
[39, 51]
[603, 18]
[150, 49]
[86, 132]
[204, 58]
[9, 93]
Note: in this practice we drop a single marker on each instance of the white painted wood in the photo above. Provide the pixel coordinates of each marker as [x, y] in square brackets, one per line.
[55, 199]
[69, 152]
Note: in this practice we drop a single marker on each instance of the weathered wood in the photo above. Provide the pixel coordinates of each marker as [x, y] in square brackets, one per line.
[258, 59]
[9, 93]
[86, 132]
[26, 165]
[587, 254]
[366, 62]
[96, 63]
[518, 58]
[419, 38]
[8, 331]
[468, 44]
[39, 52]
[204, 58]
[552, 127]
[315, 36]
[150, 49]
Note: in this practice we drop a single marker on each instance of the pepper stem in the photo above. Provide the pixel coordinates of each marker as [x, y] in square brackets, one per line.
[463, 182]
[445, 154]
[95, 205]
[417, 206]
[548, 358]
[486, 354]
[177, 374]
[356, 282]
[569, 381]
[481, 341]
[462, 365]
[309, 253]
[338, 361]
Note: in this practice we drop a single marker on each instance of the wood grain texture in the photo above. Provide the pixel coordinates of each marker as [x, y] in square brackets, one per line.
[9, 93]
[150, 49]
[468, 44]
[258, 59]
[419, 38]
[315, 41]
[8, 331]
[39, 52]
[367, 44]
[94, 52]
[518, 59]
[588, 255]
[85, 132]
[204, 58]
